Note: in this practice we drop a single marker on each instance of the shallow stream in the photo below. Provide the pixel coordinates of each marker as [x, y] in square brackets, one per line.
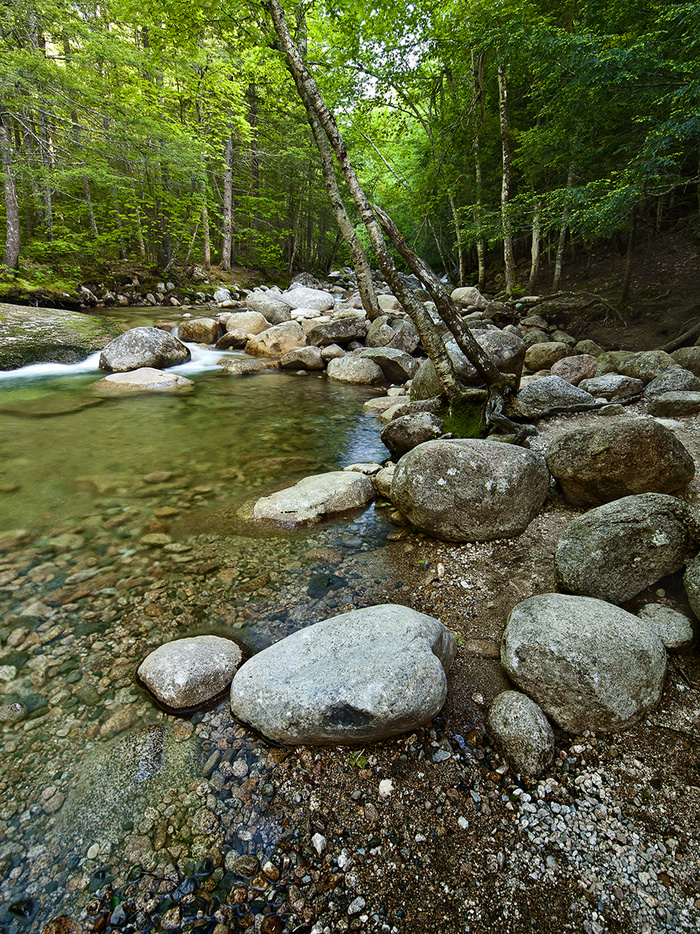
[119, 531]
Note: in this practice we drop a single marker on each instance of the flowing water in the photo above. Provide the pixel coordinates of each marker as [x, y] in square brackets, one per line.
[119, 530]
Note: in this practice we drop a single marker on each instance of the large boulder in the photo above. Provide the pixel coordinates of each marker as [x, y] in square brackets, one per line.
[302, 297]
[602, 463]
[575, 368]
[406, 432]
[198, 330]
[397, 366]
[615, 551]
[468, 297]
[355, 678]
[647, 365]
[613, 386]
[139, 347]
[468, 490]
[675, 379]
[519, 728]
[688, 358]
[189, 672]
[49, 335]
[352, 369]
[588, 664]
[392, 332]
[340, 331]
[316, 498]
[277, 340]
[145, 379]
[270, 306]
[548, 396]
[304, 358]
[252, 322]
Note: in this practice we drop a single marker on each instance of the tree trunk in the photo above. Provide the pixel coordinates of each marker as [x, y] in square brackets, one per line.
[227, 205]
[458, 238]
[535, 250]
[254, 154]
[206, 253]
[628, 260]
[559, 260]
[508, 258]
[478, 89]
[311, 96]
[358, 255]
[88, 203]
[12, 224]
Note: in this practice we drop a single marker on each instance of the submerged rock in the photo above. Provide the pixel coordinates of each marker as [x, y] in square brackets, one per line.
[588, 664]
[145, 379]
[617, 550]
[470, 491]
[143, 347]
[316, 498]
[189, 672]
[358, 677]
[49, 335]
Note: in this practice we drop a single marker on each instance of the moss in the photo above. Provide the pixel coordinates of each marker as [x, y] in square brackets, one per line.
[464, 417]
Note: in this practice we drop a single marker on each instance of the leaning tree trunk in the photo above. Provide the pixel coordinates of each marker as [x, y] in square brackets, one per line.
[311, 96]
[12, 224]
[508, 257]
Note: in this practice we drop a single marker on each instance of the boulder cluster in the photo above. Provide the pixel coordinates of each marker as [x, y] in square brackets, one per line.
[579, 659]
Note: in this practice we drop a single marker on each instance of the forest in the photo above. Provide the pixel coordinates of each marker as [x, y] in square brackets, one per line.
[497, 135]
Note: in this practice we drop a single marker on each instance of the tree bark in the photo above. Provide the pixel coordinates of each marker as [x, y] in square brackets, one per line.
[508, 257]
[458, 238]
[206, 251]
[478, 88]
[535, 249]
[88, 203]
[12, 223]
[627, 279]
[559, 259]
[226, 248]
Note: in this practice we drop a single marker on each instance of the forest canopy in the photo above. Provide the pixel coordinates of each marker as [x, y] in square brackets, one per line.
[493, 133]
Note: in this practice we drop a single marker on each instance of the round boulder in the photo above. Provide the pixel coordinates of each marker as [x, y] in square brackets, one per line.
[549, 395]
[576, 368]
[543, 356]
[189, 672]
[198, 330]
[606, 462]
[589, 665]
[354, 678]
[143, 347]
[252, 322]
[469, 490]
[615, 551]
[316, 498]
[351, 369]
[277, 340]
[519, 728]
[408, 431]
[270, 306]
[145, 379]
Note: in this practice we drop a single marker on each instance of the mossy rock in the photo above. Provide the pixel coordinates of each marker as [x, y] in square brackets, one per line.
[50, 335]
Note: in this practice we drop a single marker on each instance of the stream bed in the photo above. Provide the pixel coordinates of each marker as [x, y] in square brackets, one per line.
[118, 532]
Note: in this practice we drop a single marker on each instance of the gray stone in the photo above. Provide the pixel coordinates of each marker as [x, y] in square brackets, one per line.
[309, 298]
[270, 306]
[613, 386]
[576, 368]
[688, 358]
[351, 369]
[221, 295]
[675, 404]
[675, 379]
[519, 728]
[49, 335]
[241, 367]
[355, 678]
[277, 340]
[397, 366]
[389, 304]
[316, 498]
[118, 780]
[673, 628]
[547, 396]
[647, 365]
[406, 432]
[392, 332]
[588, 664]
[252, 322]
[611, 361]
[535, 321]
[536, 337]
[542, 356]
[605, 462]
[588, 347]
[338, 331]
[145, 379]
[615, 551]
[143, 347]
[468, 297]
[467, 490]
[331, 352]
[382, 481]
[305, 358]
[691, 582]
[198, 330]
[189, 672]
[506, 350]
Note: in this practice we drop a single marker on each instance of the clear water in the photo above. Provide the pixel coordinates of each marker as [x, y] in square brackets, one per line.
[83, 597]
